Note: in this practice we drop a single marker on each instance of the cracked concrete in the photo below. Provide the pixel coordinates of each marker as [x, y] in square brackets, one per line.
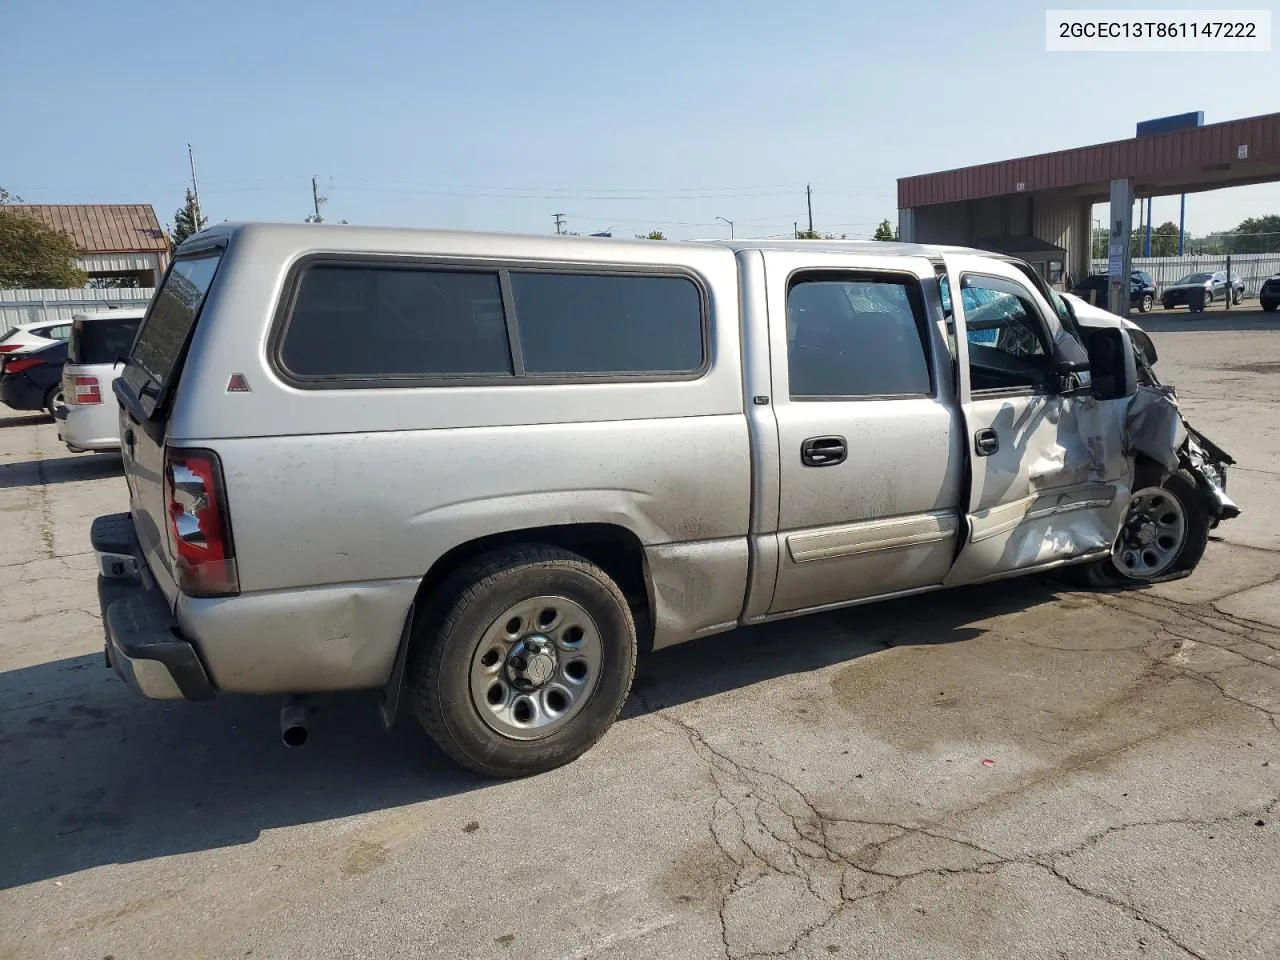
[1013, 771]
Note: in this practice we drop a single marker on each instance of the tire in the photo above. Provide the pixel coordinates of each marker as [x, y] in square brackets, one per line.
[1187, 553]
[449, 668]
[1270, 307]
[1236, 297]
[52, 400]
[1146, 303]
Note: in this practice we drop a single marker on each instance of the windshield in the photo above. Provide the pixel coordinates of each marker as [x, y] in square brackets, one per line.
[165, 329]
[1195, 278]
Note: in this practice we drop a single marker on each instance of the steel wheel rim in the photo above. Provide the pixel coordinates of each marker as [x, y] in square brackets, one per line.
[536, 667]
[58, 402]
[1153, 534]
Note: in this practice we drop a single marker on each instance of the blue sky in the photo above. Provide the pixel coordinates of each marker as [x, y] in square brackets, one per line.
[495, 114]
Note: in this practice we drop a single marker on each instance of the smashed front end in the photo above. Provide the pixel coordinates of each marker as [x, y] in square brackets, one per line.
[1157, 429]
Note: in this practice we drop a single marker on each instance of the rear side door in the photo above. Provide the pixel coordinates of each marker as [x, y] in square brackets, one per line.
[871, 468]
[1048, 478]
[145, 390]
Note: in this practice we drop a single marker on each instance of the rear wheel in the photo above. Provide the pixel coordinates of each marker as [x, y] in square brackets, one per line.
[53, 400]
[528, 663]
[1165, 531]
[1270, 306]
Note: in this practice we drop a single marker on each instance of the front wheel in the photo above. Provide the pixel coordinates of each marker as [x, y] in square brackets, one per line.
[1237, 297]
[1165, 532]
[1146, 303]
[528, 664]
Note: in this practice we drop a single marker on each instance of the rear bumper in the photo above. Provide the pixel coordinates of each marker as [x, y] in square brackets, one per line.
[144, 644]
[91, 427]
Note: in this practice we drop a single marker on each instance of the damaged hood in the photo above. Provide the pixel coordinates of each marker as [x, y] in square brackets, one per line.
[1087, 315]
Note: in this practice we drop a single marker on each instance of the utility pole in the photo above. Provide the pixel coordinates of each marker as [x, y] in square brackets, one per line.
[795, 230]
[808, 196]
[195, 190]
[559, 219]
[316, 202]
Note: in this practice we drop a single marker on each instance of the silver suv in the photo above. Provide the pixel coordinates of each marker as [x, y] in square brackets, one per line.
[478, 473]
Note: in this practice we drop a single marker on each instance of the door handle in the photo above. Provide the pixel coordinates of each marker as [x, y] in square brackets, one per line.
[986, 442]
[823, 451]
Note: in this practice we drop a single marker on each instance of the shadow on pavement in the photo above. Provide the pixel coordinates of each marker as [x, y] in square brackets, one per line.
[94, 775]
[24, 420]
[1215, 321]
[34, 473]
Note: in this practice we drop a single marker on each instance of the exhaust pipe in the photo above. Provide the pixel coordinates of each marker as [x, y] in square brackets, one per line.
[294, 715]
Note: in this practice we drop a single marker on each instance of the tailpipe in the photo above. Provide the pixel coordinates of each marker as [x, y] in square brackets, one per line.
[295, 716]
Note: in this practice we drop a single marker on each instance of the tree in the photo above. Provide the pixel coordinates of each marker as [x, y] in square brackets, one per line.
[651, 235]
[187, 220]
[7, 197]
[885, 232]
[34, 255]
[1256, 235]
[1164, 240]
[815, 235]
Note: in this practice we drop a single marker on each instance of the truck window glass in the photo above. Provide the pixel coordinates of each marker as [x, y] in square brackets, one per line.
[101, 341]
[360, 322]
[856, 337]
[1006, 342]
[165, 328]
[596, 324]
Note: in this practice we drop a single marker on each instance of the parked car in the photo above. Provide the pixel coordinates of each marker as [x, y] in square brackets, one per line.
[32, 380]
[29, 337]
[540, 455]
[1142, 290]
[1269, 293]
[1215, 286]
[90, 417]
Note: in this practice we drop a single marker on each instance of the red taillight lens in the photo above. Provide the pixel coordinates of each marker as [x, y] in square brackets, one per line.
[18, 364]
[9, 347]
[86, 390]
[199, 528]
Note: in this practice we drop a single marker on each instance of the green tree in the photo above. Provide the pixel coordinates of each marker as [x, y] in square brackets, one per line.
[1164, 240]
[187, 220]
[815, 235]
[7, 197]
[651, 235]
[1256, 235]
[34, 255]
[885, 232]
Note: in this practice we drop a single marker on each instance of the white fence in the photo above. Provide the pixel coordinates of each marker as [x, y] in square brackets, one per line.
[40, 306]
[1252, 268]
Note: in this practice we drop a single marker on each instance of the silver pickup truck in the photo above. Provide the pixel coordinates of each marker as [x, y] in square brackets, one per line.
[478, 473]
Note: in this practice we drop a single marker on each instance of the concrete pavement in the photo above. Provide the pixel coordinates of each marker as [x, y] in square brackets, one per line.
[1010, 771]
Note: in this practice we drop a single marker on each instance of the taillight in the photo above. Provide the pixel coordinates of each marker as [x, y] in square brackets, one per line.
[199, 528]
[18, 364]
[86, 390]
[9, 347]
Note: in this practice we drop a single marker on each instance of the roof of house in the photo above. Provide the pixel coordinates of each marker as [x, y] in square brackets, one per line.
[101, 227]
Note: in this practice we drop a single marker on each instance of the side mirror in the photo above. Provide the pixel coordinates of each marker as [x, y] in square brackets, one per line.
[1112, 363]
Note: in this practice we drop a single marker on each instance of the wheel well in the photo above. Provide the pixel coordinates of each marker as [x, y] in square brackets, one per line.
[614, 549]
[1147, 472]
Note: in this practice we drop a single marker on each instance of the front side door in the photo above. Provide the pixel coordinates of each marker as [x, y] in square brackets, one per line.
[871, 470]
[1049, 480]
